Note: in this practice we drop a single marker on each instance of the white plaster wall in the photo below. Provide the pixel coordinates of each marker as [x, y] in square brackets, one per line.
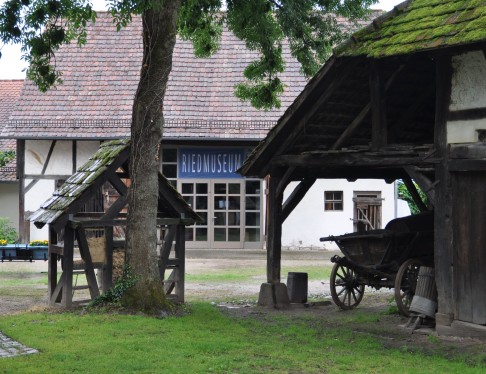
[36, 152]
[84, 150]
[9, 203]
[37, 195]
[309, 222]
[468, 91]
[468, 81]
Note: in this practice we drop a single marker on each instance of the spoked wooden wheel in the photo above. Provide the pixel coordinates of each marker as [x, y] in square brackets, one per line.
[405, 285]
[346, 291]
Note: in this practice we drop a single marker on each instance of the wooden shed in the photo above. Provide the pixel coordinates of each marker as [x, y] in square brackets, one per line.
[70, 216]
[404, 98]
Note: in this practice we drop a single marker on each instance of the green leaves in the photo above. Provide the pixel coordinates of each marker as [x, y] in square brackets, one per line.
[6, 157]
[42, 26]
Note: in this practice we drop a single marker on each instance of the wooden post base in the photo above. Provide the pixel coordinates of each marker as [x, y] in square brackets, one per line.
[273, 295]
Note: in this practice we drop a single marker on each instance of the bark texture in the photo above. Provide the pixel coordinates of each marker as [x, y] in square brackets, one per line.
[159, 36]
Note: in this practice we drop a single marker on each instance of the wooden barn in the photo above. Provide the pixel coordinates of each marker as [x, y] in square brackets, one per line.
[404, 98]
[72, 222]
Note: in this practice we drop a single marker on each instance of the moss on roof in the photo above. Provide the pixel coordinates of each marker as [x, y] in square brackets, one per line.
[418, 25]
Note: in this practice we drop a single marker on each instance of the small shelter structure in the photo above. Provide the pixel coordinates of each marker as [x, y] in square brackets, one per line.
[404, 98]
[69, 220]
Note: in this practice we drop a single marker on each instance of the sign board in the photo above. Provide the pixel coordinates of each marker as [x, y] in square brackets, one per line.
[210, 162]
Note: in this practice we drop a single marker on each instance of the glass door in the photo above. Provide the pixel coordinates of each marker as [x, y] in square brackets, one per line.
[196, 194]
[227, 214]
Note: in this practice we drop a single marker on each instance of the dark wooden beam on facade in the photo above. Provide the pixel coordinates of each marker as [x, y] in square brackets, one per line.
[443, 225]
[108, 265]
[180, 254]
[285, 180]
[379, 128]
[296, 197]
[21, 178]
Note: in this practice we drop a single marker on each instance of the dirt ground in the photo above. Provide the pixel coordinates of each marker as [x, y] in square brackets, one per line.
[238, 299]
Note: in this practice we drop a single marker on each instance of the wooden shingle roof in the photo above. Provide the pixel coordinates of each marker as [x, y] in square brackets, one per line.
[419, 25]
[100, 168]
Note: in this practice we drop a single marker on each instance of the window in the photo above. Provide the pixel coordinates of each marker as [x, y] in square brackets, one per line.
[333, 200]
[169, 164]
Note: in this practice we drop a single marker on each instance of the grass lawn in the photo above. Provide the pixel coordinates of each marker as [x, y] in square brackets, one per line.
[206, 340]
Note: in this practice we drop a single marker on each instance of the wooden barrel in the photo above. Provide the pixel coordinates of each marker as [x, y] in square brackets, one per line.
[425, 298]
[297, 287]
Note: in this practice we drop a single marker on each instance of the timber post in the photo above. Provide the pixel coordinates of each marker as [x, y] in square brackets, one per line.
[443, 224]
[274, 293]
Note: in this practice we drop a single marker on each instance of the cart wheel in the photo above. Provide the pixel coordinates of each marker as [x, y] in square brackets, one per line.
[405, 284]
[345, 289]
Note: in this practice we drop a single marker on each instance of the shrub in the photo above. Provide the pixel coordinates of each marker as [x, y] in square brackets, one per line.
[7, 232]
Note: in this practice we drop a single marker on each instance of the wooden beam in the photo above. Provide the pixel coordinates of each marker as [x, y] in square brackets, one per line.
[52, 281]
[180, 253]
[21, 177]
[108, 266]
[117, 183]
[166, 248]
[67, 266]
[414, 193]
[358, 120]
[357, 159]
[296, 197]
[379, 134]
[284, 182]
[88, 263]
[467, 114]
[75, 156]
[443, 222]
[274, 231]
[424, 183]
[115, 208]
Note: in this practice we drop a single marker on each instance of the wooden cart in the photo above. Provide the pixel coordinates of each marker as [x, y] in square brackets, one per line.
[383, 258]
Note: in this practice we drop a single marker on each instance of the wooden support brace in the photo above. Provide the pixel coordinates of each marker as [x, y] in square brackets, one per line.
[414, 193]
[89, 268]
[165, 251]
[296, 197]
[56, 292]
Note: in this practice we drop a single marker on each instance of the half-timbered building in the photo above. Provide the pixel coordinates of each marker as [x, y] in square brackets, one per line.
[403, 98]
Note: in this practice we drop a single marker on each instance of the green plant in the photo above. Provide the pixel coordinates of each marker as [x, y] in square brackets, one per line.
[39, 243]
[6, 157]
[7, 232]
[114, 295]
[405, 195]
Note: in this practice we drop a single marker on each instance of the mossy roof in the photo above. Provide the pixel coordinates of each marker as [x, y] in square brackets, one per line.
[77, 189]
[419, 25]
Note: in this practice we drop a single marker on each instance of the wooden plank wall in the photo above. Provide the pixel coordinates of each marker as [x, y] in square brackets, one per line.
[469, 216]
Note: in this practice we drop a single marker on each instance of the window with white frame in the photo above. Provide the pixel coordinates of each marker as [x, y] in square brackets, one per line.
[333, 200]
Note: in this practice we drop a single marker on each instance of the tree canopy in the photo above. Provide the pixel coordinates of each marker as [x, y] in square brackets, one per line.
[310, 27]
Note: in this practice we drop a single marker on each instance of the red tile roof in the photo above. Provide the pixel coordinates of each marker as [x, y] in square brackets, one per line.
[9, 94]
[100, 79]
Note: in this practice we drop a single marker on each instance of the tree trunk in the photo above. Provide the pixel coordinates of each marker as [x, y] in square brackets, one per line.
[159, 36]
